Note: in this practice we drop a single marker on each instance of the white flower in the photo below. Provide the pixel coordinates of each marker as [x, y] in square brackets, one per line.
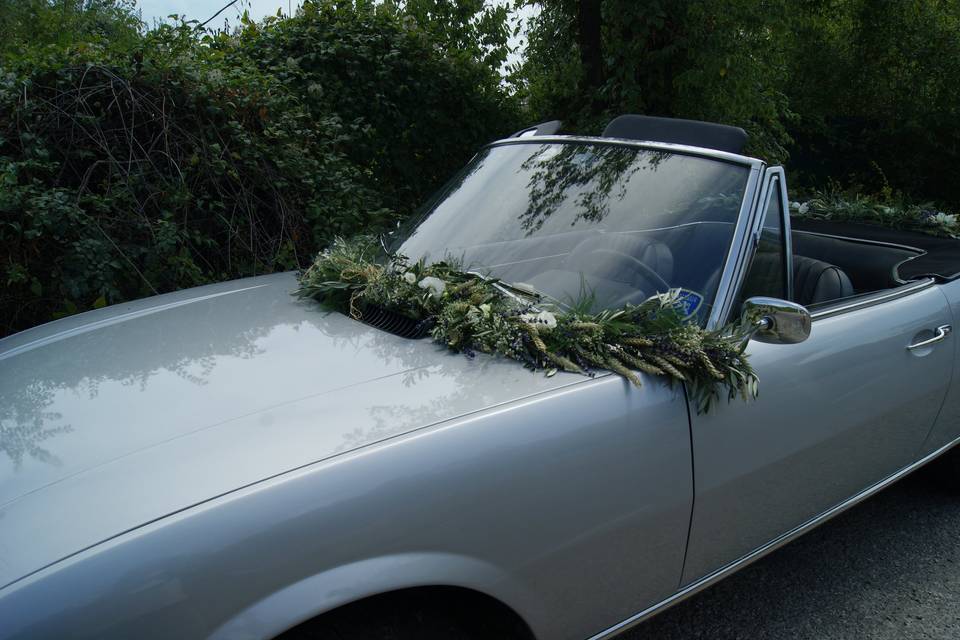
[410, 277]
[545, 318]
[803, 208]
[794, 205]
[944, 219]
[435, 286]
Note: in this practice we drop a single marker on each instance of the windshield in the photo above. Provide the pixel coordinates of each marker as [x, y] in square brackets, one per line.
[589, 224]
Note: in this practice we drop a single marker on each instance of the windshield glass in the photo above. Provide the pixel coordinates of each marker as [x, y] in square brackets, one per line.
[601, 223]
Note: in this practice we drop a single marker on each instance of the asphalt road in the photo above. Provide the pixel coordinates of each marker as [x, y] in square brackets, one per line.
[888, 568]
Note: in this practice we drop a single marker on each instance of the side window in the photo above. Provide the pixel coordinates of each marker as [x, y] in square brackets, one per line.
[767, 273]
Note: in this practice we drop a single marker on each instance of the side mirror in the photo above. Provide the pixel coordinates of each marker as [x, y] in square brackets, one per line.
[776, 321]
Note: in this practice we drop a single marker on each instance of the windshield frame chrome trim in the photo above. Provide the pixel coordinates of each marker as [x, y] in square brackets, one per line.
[683, 149]
[735, 262]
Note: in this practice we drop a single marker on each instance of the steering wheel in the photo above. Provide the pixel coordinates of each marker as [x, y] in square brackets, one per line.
[646, 272]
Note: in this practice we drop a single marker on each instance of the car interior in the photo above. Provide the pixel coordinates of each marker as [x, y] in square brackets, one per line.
[832, 261]
[620, 267]
[829, 268]
[616, 267]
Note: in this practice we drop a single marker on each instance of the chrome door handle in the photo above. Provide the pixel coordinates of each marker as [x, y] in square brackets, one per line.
[942, 332]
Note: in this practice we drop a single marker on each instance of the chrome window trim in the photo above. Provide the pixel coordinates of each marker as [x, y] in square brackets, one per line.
[872, 299]
[778, 542]
[751, 219]
[733, 264]
[774, 178]
[787, 229]
[684, 149]
[880, 243]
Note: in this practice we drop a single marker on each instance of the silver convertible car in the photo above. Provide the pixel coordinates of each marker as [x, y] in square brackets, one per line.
[231, 462]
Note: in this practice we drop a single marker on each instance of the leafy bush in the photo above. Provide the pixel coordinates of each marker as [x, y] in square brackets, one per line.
[411, 117]
[184, 158]
[860, 91]
[125, 178]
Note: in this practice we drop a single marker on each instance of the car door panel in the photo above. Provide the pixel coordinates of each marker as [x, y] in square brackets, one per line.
[836, 414]
[947, 427]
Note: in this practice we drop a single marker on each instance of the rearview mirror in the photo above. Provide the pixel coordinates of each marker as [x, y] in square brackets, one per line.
[776, 321]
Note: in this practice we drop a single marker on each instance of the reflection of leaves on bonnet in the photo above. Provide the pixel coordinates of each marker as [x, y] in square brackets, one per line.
[557, 175]
[21, 434]
[26, 418]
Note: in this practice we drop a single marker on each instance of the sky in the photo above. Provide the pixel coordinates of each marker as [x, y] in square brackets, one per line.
[153, 11]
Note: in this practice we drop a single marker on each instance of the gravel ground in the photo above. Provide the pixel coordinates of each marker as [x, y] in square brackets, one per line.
[888, 568]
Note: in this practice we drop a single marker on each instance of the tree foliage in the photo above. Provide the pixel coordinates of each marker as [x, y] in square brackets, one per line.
[590, 60]
[857, 91]
[414, 107]
[876, 86]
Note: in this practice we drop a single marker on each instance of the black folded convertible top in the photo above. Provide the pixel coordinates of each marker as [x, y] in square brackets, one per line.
[941, 258]
[677, 131]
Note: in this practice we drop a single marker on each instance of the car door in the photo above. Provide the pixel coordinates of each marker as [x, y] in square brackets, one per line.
[837, 413]
[947, 428]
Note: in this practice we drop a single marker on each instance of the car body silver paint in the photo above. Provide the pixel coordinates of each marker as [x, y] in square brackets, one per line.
[577, 494]
[771, 546]
[251, 383]
[233, 462]
[836, 414]
[947, 426]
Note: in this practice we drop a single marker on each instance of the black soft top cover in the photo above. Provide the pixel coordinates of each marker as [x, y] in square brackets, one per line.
[941, 257]
[676, 131]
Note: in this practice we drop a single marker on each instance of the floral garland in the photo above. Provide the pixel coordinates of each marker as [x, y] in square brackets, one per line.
[917, 217]
[470, 313]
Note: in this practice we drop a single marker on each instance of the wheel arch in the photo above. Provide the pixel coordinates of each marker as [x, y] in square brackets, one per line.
[312, 597]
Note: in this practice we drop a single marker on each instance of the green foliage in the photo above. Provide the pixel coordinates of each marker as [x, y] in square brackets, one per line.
[173, 157]
[470, 313]
[717, 61]
[877, 89]
[896, 213]
[411, 116]
[861, 91]
[470, 30]
[31, 27]
[167, 170]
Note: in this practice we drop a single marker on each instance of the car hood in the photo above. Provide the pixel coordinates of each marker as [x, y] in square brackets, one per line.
[115, 418]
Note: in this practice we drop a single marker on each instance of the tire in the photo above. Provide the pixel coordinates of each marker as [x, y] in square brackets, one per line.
[407, 616]
[946, 469]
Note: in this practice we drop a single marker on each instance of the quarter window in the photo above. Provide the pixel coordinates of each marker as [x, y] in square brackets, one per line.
[767, 274]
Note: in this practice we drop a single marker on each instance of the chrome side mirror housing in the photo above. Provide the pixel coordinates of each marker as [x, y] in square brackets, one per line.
[776, 321]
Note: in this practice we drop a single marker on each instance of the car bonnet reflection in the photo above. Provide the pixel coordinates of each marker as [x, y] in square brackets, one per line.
[85, 400]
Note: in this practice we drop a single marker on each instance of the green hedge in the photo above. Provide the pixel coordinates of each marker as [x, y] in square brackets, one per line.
[183, 158]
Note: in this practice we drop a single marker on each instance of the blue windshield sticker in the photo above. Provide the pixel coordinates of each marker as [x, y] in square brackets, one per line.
[688, 302]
